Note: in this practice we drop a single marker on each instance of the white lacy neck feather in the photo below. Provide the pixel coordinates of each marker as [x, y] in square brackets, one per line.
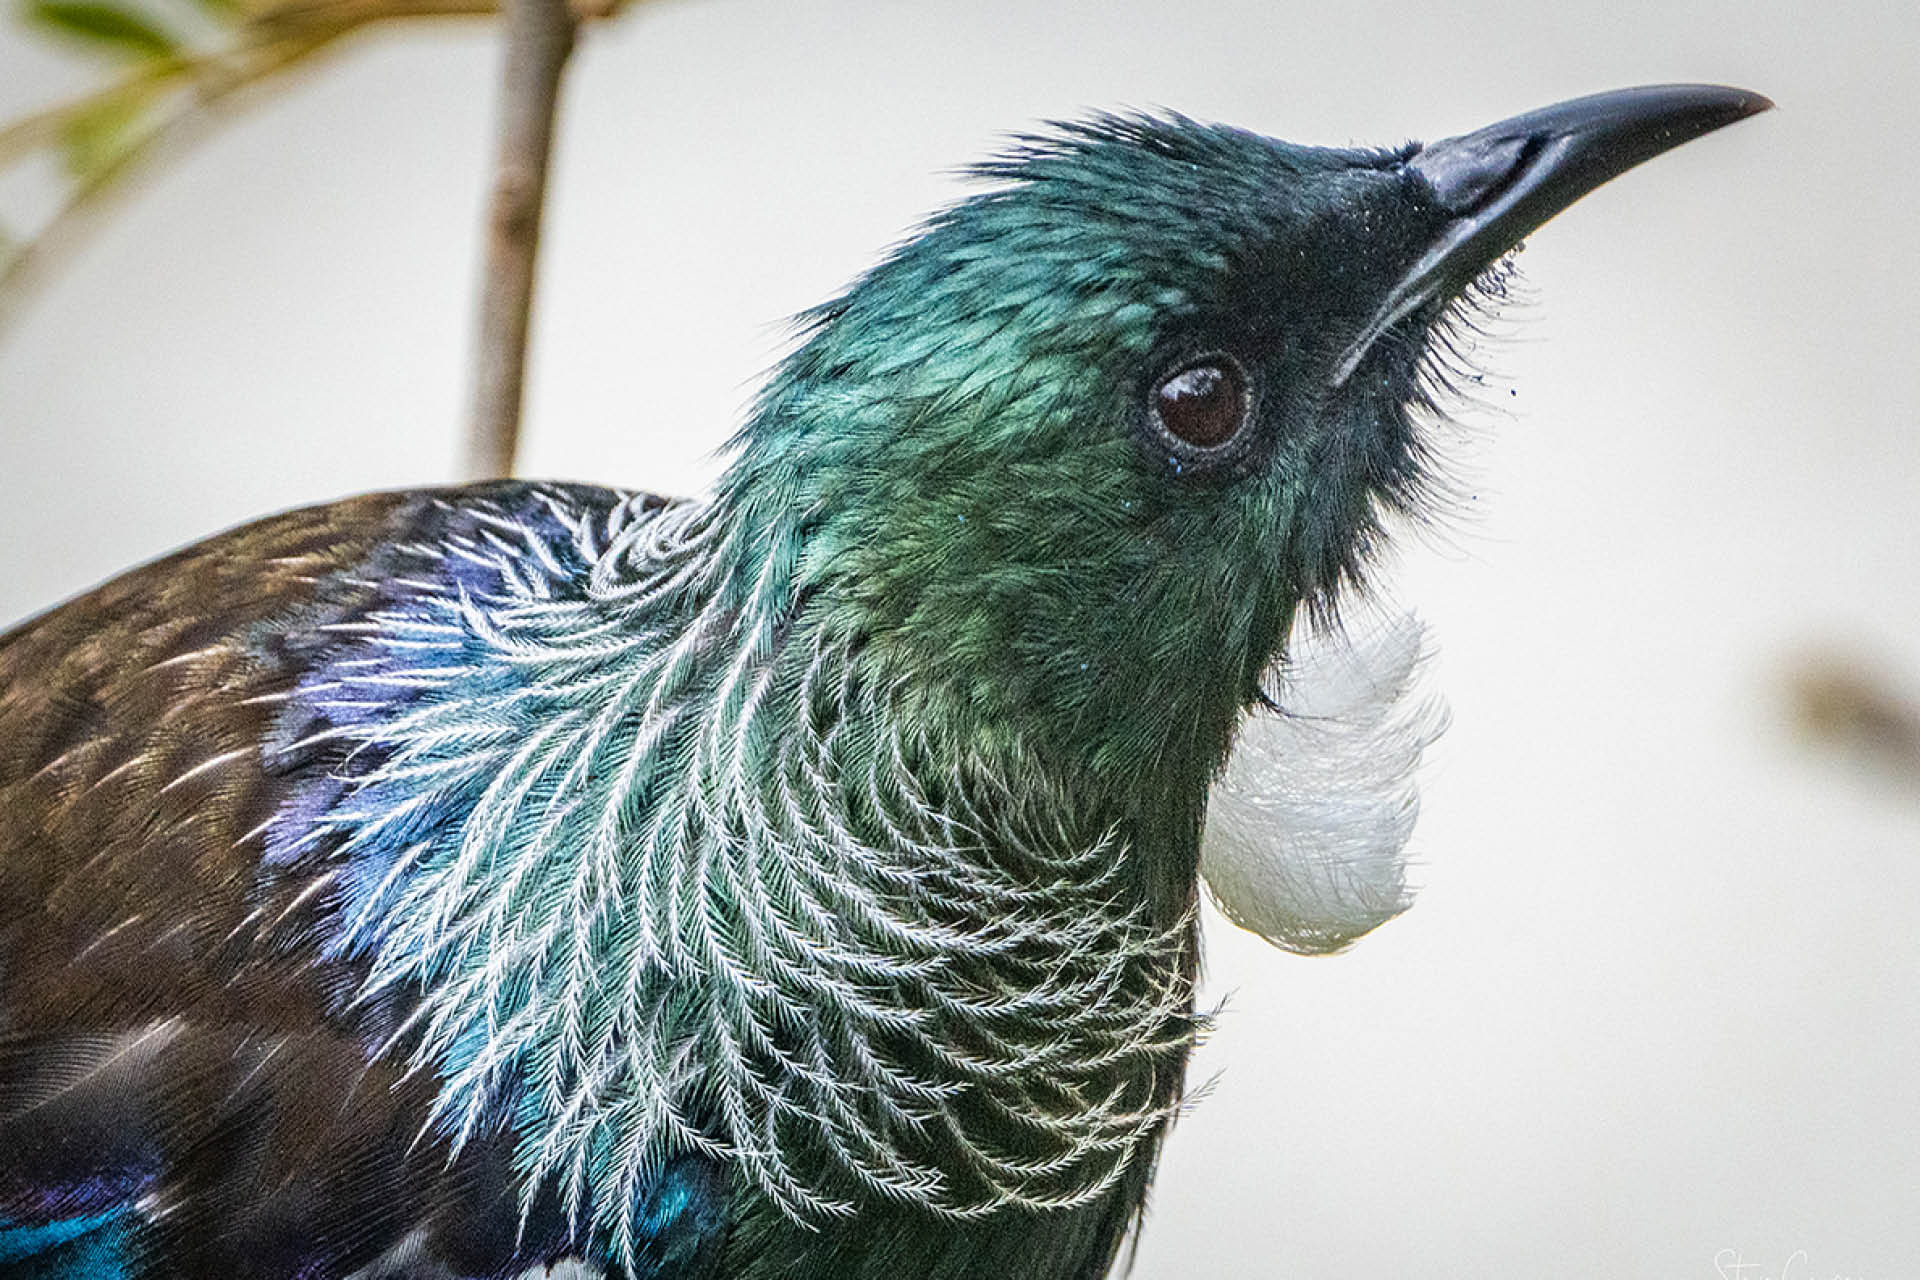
[1307, 829]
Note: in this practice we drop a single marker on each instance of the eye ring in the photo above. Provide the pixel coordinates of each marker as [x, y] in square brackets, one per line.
[1201, 408]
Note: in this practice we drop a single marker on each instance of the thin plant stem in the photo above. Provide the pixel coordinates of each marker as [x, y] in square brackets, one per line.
[539, 38]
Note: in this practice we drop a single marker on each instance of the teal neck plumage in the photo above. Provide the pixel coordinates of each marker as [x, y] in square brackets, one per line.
[721, 885]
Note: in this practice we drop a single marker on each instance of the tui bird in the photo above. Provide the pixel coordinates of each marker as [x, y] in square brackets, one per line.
[797, 882]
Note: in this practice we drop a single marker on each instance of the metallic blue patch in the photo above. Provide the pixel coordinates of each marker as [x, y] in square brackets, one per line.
[682, 1219]
[93, 1247]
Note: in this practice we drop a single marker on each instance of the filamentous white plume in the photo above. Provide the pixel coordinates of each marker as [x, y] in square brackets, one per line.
[1307, 829]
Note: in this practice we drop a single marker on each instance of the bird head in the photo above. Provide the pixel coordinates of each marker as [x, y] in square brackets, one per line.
[1068, 461]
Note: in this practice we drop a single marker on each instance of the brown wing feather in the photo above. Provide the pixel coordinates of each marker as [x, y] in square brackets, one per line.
[149, 998]
[131, 724]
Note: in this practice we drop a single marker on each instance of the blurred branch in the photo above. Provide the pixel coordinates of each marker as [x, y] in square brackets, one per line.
[169, 88]
[539, 38]
[111, 135]
[165, 94]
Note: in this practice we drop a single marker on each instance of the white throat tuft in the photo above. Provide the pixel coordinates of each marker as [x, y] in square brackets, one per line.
[1307, 829]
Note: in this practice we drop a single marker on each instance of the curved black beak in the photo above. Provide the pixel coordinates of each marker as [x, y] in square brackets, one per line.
[1498, 183]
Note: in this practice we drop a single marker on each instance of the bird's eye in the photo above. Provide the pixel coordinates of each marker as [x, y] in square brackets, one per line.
[1203, 404]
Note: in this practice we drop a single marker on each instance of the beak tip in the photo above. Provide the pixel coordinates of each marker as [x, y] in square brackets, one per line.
[1741, 103]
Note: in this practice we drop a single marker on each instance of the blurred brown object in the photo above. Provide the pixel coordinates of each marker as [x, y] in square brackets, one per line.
[1839, 701]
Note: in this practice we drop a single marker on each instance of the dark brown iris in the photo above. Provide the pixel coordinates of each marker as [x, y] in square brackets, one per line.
[1203, 404]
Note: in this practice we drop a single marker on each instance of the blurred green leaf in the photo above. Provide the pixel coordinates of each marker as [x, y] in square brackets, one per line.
[97, 139]
[165, 93]
[106, 27]
[42, 128]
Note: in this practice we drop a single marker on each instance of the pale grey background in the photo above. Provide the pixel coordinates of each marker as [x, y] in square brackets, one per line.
[1658, 1002]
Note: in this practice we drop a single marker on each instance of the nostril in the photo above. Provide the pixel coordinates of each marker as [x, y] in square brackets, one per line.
[1465, 179]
